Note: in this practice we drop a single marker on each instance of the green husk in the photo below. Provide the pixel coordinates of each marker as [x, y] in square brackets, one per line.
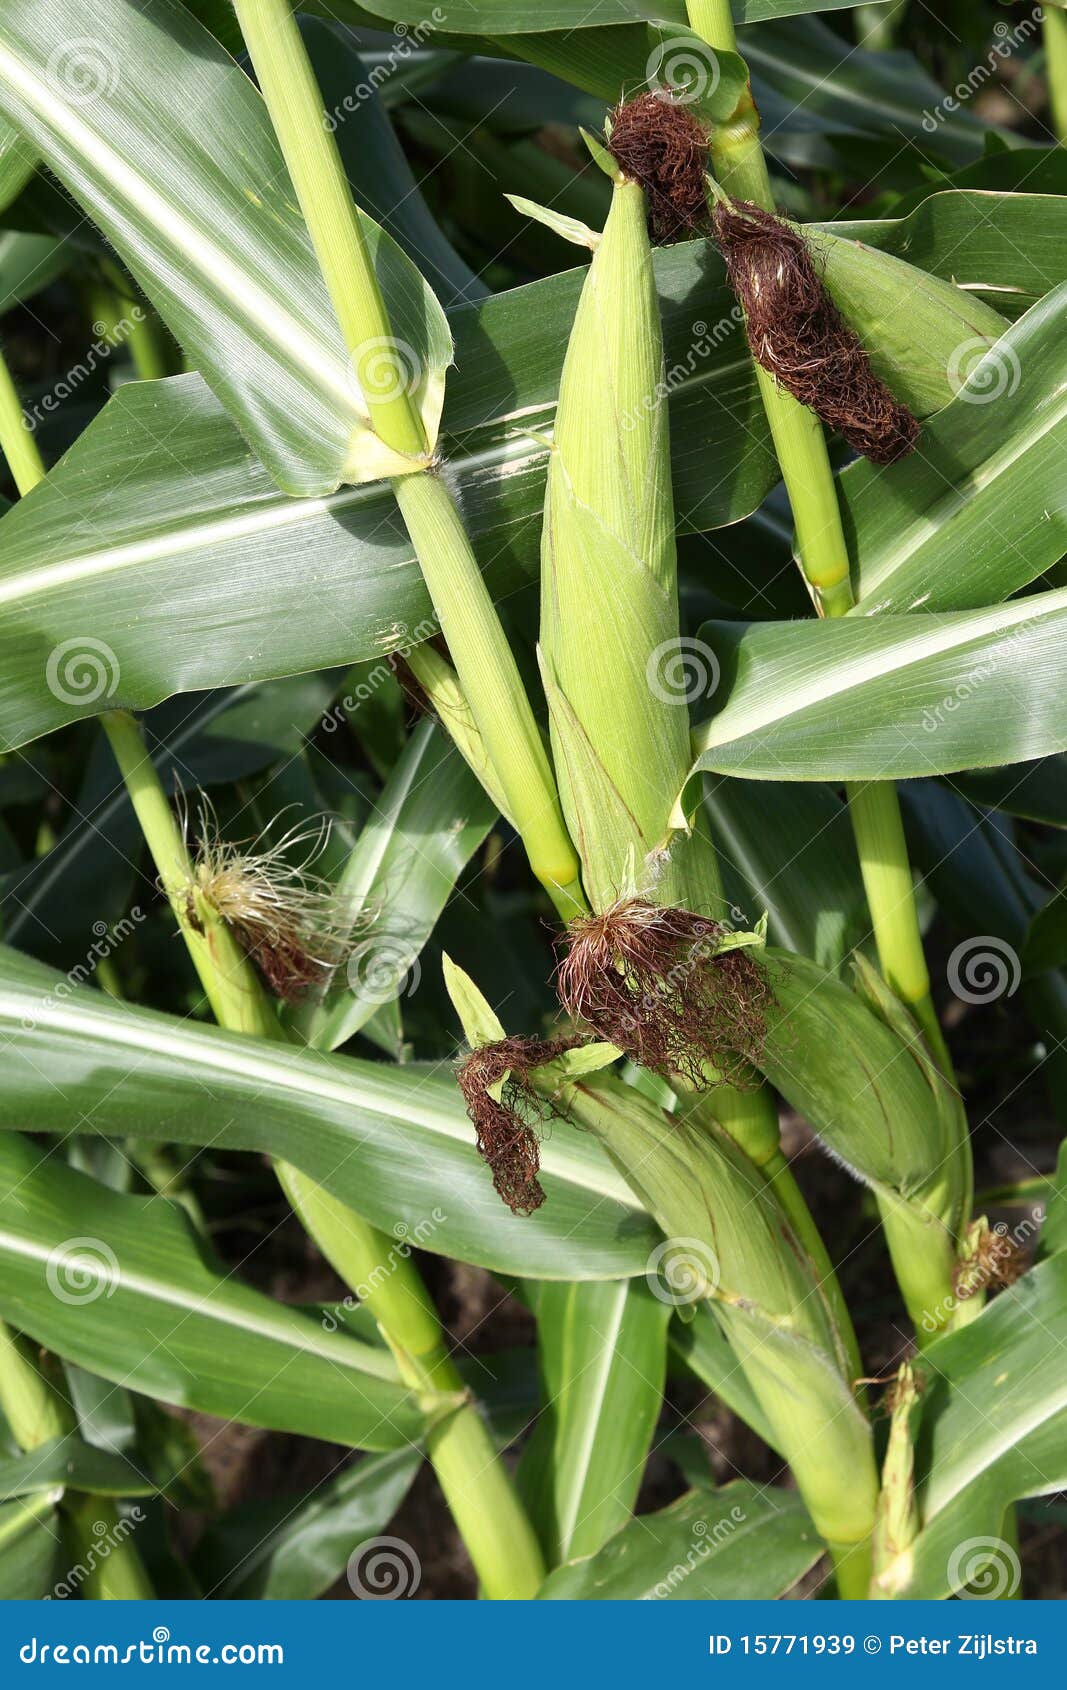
[763, 1287]
[855, 1064]
[898, 1515]
[921, 333]
[609, 603]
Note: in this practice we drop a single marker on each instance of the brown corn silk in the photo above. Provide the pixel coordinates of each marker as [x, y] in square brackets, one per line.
[796, 332]
[650, 981]
[508, 1126]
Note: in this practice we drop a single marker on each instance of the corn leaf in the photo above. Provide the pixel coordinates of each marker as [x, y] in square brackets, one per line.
[603, 1352]
[192, 192]
[1007, 249]
[888, 697]
[168, 1322]
[429, 819]
[189, 569]
[507, 17]
[30, 1548]
[788, 849]
[712, 1546]
[977, 512]
[392, 1142]
[992, 1428]
[68, 1463]
[292, 1549]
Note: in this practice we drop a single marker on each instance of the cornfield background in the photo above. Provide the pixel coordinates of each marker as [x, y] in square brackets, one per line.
[531, 866]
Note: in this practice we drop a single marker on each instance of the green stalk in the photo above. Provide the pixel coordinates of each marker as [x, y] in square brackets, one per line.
[37, 1413]
[822, 553]
[497, 1534]
[1055, 28]
[823, 557]
[476, 1486]
[32, 1406]
[232, 989]
[16, 442]
[484, 661]
[490, 680]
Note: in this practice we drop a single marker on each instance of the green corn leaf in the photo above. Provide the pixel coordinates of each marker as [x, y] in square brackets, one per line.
[202, 213]
[507, 17]
[69, 1464]
[166, 1321]
[28, 263]
[1007, 249]
[977, 512]
[714, 1546]
[992, 1428]
[31, 1547]
[788, 849]
[393, 1142]
[888, 697]
[603, 1352]
[293, 1549]
[173, 545]
[429, 820]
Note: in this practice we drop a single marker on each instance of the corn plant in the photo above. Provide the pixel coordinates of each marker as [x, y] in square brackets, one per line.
[535, 774]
